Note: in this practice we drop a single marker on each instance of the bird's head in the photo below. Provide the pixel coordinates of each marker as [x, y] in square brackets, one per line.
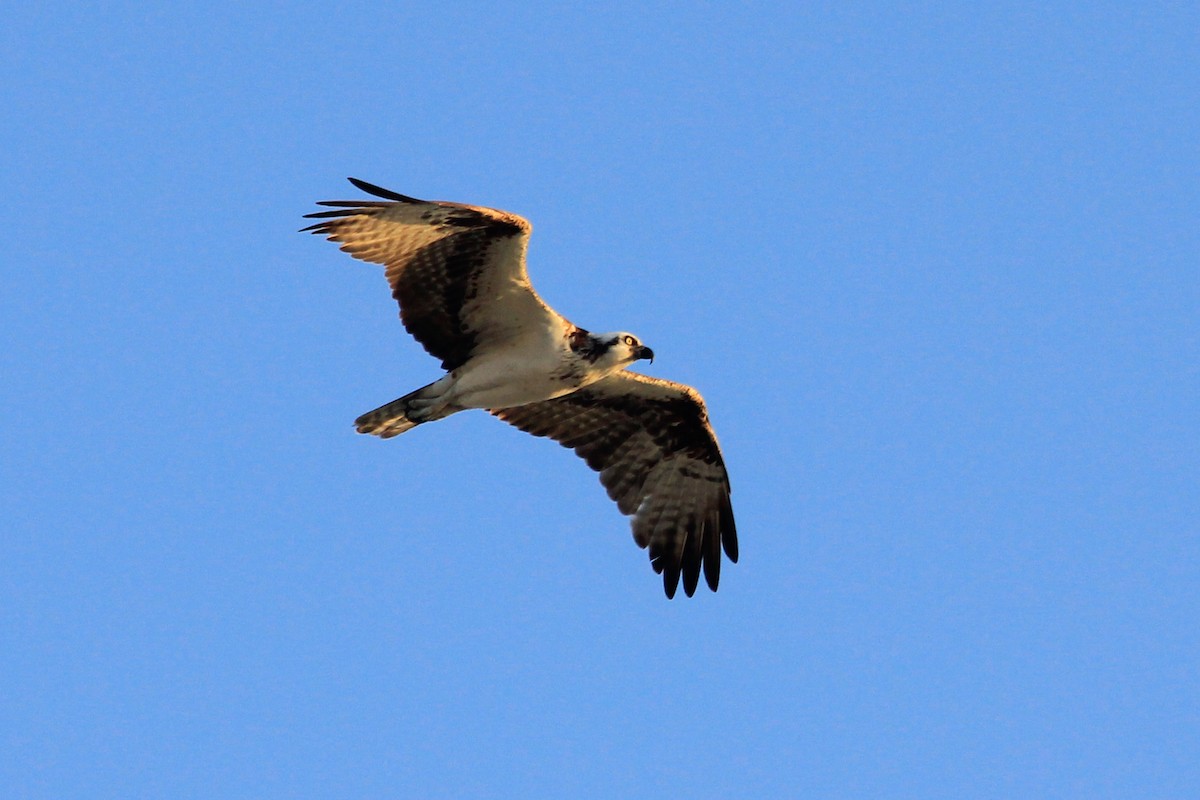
[620, 349]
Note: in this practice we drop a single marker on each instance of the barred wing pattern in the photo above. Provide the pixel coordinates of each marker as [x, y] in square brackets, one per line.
[658, 457]
[457, 271]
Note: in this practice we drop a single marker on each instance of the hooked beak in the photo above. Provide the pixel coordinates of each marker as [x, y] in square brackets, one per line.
[644, 352]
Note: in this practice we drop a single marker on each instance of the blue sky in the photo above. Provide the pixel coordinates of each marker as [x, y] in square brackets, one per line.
[934, 270]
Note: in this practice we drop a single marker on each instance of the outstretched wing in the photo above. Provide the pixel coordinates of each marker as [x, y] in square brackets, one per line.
[457, 271]
[657, 455]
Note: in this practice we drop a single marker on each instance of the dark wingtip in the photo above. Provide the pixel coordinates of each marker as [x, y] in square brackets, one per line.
[668, 565]
[712, 556]
[379, 191]
[712, 574]
[671, 582]
[344, 212]
[730, 543]
[729, 539]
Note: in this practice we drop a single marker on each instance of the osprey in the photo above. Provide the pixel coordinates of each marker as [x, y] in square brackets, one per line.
[458, 273]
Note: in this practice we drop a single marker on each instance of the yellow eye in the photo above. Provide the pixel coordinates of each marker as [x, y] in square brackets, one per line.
[629, 340]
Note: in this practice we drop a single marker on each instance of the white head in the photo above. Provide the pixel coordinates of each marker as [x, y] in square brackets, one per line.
[618, 350]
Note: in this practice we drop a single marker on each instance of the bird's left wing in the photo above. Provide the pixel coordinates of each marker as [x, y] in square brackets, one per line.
[658, 457]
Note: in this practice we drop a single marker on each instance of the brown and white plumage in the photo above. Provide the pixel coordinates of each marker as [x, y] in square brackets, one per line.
[458, 273]
[657, 456]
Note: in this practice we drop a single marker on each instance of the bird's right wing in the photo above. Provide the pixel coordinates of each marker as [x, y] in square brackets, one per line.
[457, 271]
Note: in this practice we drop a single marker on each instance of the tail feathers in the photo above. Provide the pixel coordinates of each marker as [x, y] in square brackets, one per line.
[424, 405]
[386, 421]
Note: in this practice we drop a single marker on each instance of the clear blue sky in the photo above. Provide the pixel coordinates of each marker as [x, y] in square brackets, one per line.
[935, 271]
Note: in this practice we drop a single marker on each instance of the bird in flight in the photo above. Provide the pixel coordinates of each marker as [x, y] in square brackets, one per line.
[458, 273]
